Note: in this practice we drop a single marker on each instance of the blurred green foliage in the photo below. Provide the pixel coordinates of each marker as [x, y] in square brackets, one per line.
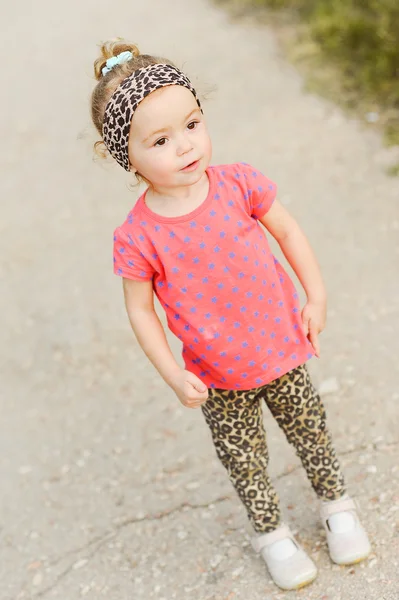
[362, 38]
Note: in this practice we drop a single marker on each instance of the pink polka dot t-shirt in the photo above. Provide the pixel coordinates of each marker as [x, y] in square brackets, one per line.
[225, 295]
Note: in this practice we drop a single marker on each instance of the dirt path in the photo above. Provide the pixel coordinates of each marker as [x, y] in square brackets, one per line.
[109, 488]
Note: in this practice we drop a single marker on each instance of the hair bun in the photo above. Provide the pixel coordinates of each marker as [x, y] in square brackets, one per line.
[112, 48]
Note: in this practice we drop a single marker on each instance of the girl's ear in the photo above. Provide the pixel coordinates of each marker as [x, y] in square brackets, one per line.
[133, 170]
[137, 179]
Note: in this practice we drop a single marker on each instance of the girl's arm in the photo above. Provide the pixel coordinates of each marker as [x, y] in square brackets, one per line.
[299, 254]
[139, 300]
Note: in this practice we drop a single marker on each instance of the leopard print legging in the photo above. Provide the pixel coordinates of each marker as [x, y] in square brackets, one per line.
[236, 423]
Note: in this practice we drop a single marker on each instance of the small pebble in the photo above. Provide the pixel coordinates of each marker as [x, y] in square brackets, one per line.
[85, 590]
[24, 470]
[79, 564]
[372, 117]
[205, 515]
[329, 386]
[372, 563]
[37, 580]
[215, 561]
[193, 485]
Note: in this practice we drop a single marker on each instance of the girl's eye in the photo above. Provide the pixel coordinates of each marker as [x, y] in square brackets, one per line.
[160, 142]
[192, 125]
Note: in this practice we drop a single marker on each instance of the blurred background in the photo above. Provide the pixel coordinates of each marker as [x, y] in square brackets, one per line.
[110, 488]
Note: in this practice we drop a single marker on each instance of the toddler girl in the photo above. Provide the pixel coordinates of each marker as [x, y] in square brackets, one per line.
[197, 239]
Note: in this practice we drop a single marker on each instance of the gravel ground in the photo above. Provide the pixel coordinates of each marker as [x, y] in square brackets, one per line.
[110, 488]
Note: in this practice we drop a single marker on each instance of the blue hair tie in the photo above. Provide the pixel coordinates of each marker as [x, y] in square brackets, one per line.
[123, 57]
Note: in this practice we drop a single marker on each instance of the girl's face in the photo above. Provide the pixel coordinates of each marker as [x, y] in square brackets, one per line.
[169, 144]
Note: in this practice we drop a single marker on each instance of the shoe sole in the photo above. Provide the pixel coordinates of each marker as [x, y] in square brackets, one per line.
[355, 561]
[305, 583]
[299, 586]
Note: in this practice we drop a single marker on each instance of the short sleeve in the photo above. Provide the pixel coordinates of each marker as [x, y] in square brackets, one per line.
[261, 191]
[129, 261]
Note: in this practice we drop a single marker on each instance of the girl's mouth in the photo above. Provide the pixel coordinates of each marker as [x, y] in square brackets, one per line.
[192, 166]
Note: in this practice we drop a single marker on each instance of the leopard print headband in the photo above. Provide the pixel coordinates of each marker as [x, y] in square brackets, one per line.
[125, 100]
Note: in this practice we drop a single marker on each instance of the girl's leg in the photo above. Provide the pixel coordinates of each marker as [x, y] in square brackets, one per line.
[236, 424]
[299, 411]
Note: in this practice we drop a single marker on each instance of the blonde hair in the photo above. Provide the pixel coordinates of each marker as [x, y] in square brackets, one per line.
[108, 83]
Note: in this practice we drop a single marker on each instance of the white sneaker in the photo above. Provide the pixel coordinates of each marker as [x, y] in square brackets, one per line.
[289, 573]
[345, 547]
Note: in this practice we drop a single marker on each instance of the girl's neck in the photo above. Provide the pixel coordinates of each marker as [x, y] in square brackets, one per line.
[179, 201]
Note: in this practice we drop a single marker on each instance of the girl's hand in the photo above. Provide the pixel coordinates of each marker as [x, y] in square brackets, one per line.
[190, 390]
[314, 320]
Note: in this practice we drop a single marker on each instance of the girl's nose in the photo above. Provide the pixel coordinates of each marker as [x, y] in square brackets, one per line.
[184, 145]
